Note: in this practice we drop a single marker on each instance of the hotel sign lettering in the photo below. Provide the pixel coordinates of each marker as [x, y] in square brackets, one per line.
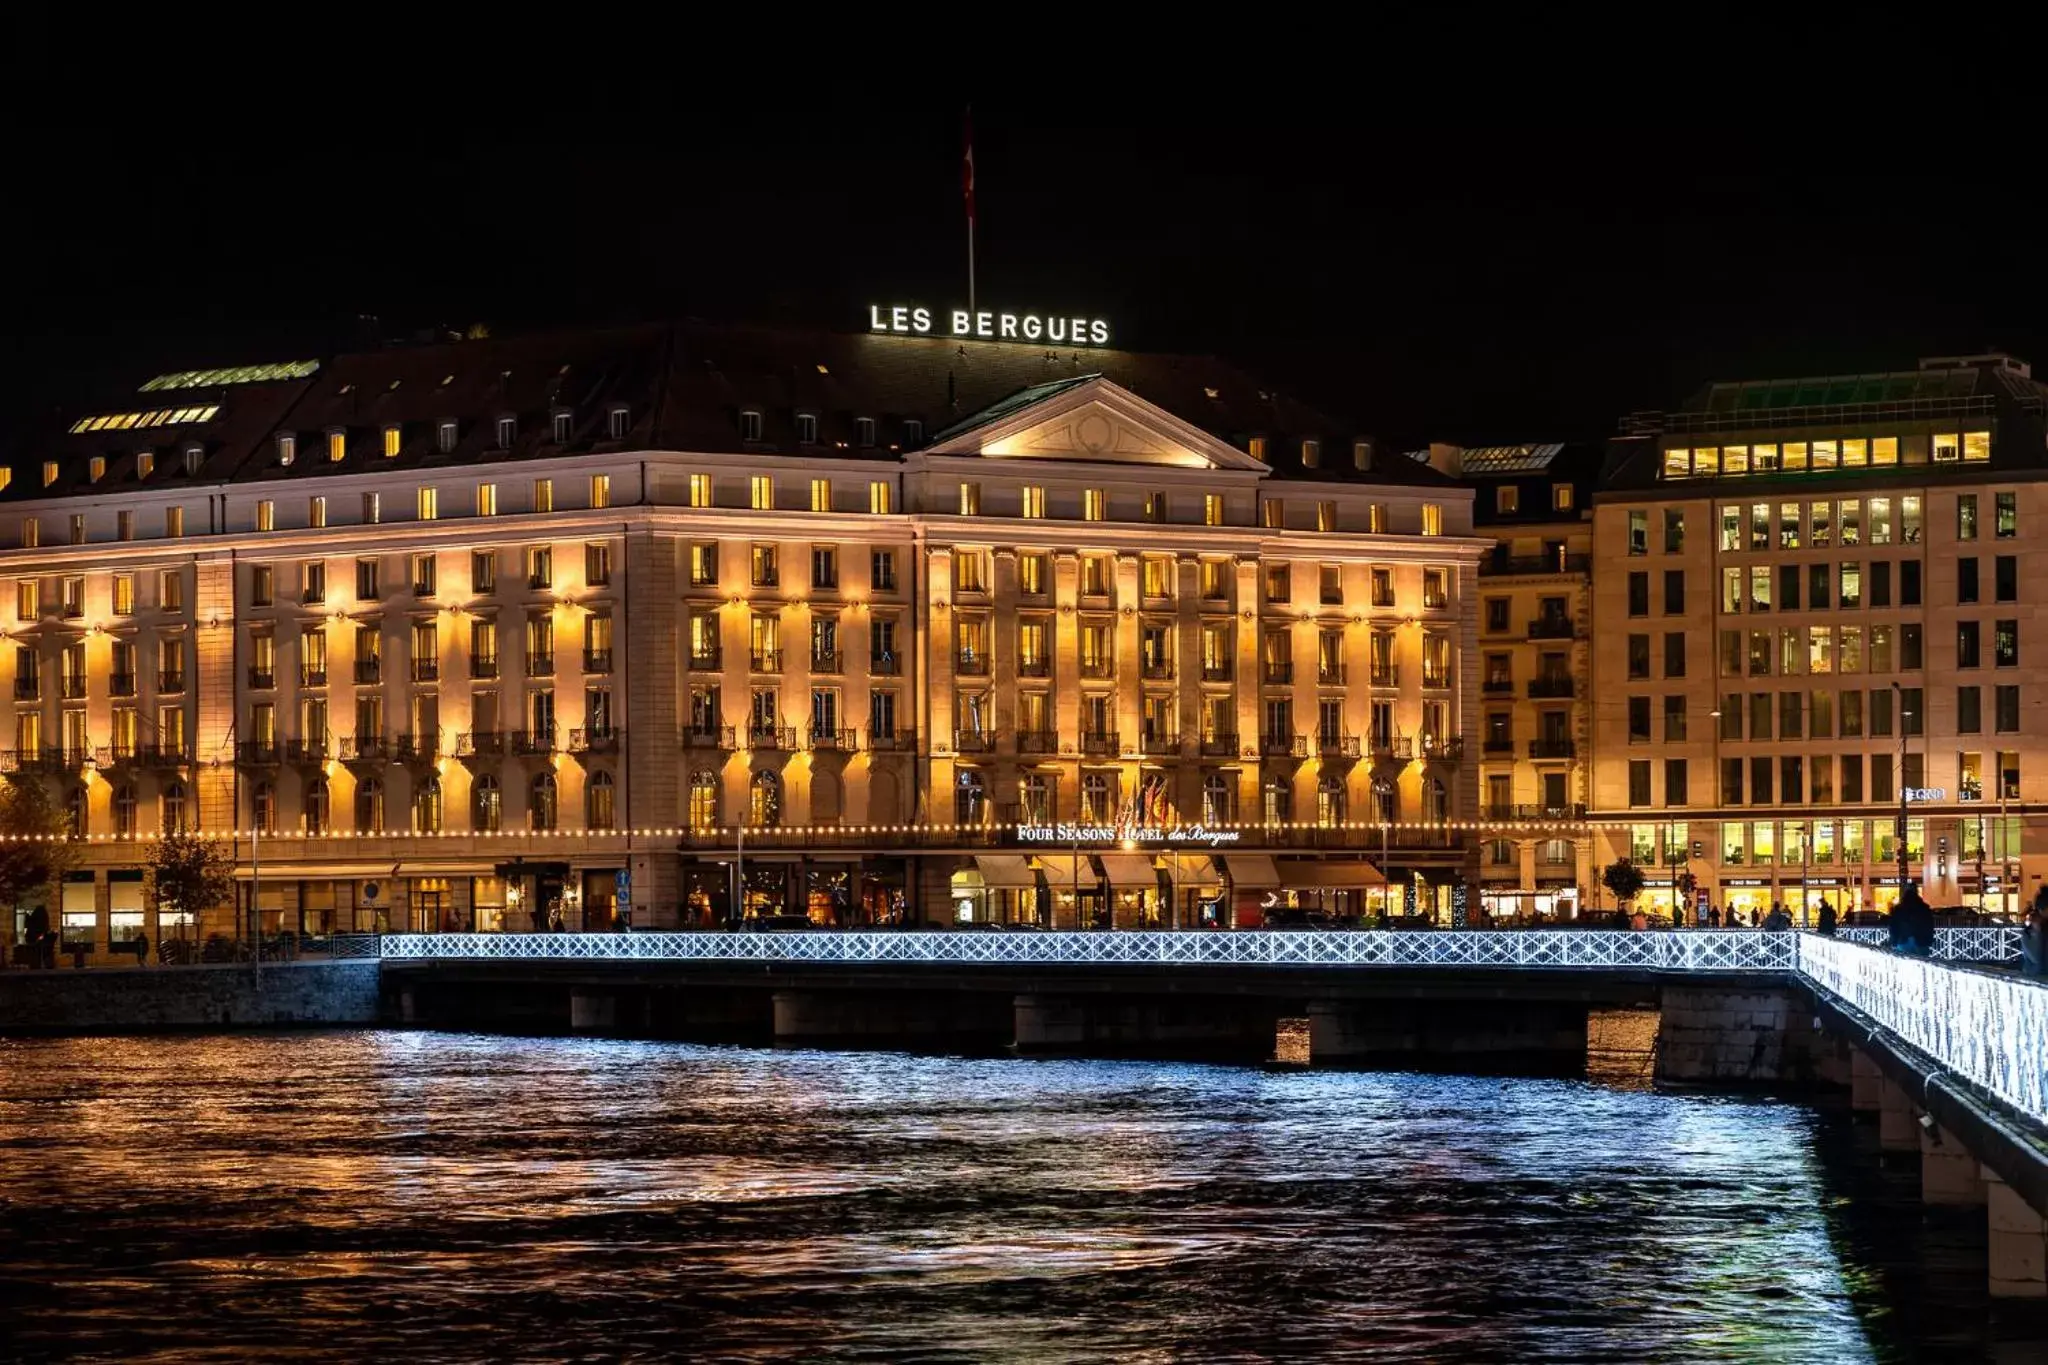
[914, 319]
[1918, 794]
[1120, 834]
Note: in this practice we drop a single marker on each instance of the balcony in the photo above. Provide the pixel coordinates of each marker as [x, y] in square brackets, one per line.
[1443, 748]
[483, 669]
[310, 676]
[72, 687]
[419, 747]
[1330, 674]
[1535, 812]
[1498, 746]
[71, 611]
[1218, 673]
[1276, 673]
[1552, 628]
[532, 743]
[974, 741]
[477, 744]
[306, 752]
[259, 753]
[597, 661]
[706, 663]
[370, 749]
[1034, 668]
[1389, 676]
[594, 739]
[765, 661]
[833, 662]
[115, 755]
[834, 741]
[885, 665]
[1393, 748]
[121, 684]
[1159, 742]
[708, 737]
[48, 759]
[767, 578]
[1156, 670]
[426, 670]
[259, 678]
[1504, 566]
[540, 665]
[1436, 601]
[160, 756]
[169, 680]
[971, 665]
[1099, 743]
[1038, 742]
[1551, 748]
[1498, 687]
[891, 741]
[28, 687]
[540, 582]
[1098, 668]
[369, 671]
[1337, 746]
[1283, 746]
[1221, 744]
[1551, 687]
[1432, 677]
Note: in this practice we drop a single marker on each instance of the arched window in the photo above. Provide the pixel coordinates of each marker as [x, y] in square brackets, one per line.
[1384, 804]
[426, 804]
[124, 811]
[1219, 803]
[74, 811]
[1095, 798]
[174, 807]
[1036, 793]
[598, 802]
[369, 806]
[1279, 800]
[487, 800]
[764, 799]
[540, 809]
[1501, 852]
[316, 804]
[970, 798]
[1437, 801]
[263, 806]
[1329, 802]
[703, 799]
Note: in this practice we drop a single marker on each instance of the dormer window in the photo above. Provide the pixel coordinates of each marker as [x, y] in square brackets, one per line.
[49, 472]
[564, 427]
[1311, 454]
[97, 468]
[1361, 454]
[337, 445]
[913, 431]
[392, 438]
[1257, 447]
[193, 455]
[864, 432]
[287, 447]
[508, 430]
[618, 422]
[750, 425]
[444, 438]
[807, 428]
[145, 464]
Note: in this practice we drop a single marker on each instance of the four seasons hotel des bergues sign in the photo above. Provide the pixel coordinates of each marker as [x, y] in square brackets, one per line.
[915, 319]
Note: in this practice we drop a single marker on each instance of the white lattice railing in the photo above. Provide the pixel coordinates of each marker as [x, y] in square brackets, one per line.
[1736, 950]
[1976, 943]
[1988, 1028]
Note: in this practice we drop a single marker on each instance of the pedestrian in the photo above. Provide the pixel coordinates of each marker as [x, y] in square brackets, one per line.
[2034, 935]
[1826, 920]
[1912, 924]
[41, 954]
[1713, 917]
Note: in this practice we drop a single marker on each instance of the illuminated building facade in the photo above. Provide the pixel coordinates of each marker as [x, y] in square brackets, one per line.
[631, 624]
[1812, 595]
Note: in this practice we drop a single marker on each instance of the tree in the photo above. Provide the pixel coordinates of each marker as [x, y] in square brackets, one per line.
[1624, 879]
[36, 846]
[189, 873]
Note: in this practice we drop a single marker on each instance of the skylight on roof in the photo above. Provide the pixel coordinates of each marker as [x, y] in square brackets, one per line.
[160, 417]
[238, 374]
[1510, 459]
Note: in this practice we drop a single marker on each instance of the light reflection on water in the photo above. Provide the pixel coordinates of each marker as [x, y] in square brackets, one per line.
[364, 1195]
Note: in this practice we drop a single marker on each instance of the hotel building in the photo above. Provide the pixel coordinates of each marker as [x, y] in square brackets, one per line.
[1814, 608]
[669, 624]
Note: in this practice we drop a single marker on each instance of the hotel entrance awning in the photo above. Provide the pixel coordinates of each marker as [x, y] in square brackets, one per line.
[1196, 869]
[1313, 874]
[1062, 869]
[1249, 871]
[1006, 869]
[1131, 871]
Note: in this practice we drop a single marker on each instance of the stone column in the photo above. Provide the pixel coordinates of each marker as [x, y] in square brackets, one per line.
[1948, 1173]
[2019, 1243]
[1897, 1126]
[1866, 1082]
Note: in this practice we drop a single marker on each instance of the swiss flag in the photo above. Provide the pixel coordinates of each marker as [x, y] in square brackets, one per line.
[967, 168]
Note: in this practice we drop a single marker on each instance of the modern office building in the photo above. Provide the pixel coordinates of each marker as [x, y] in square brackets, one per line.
[1535, 501]
[666, 623]
[1815, 609]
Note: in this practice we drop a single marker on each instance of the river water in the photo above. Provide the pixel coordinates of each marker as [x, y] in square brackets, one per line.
[419, 1196]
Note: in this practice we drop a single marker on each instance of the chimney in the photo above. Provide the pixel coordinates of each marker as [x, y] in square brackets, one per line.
[1446, 458]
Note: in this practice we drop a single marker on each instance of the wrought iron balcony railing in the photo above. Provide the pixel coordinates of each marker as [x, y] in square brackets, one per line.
[1159, 742]
[885, 665]
[1551, 687]
[1038, 742]
[1552, 628]
[708, 662]
[781, 737]
[974, 741]
[1337, 746]
[366, 749]
[891, 741]
[1283, 746]
[121, 684]
[533, 743]
[1551, 748]
[170, 680]
[971, 665]
[765, 661]
[831, 661]
[1220, 744]
[369, 671]
[426, 670]
[1330, 673]
[594, 739]
[1100, 743]
[843, 741]
[1277, 672]
[1034, 668]
[312, 677]
[708, 737]
[483, 666]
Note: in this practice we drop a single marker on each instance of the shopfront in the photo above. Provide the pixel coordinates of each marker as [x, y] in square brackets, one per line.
[1197, 885]
[1078, 898]
[1001, 888]
[1747, 896]
[1254, 881]
[1133, 890]
[1342, 891]
[707, 895]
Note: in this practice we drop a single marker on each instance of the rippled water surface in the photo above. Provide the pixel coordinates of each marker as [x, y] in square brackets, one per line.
[415, 1195]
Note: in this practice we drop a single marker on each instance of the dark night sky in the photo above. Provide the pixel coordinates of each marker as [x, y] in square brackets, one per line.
[1518, 283]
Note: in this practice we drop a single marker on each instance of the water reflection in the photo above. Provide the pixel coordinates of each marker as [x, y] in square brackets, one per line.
[351, 1196]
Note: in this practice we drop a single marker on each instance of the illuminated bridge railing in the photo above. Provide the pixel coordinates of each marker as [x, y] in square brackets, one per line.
[1988, 1028]
[1693, 951]
[1972, 943]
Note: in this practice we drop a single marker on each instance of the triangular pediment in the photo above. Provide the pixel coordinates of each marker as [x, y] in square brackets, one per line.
[1094, 422]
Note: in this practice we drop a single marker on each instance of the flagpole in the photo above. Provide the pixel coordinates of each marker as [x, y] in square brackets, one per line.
[967, 194]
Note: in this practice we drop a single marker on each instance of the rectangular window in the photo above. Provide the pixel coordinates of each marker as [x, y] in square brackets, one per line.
[1094, 504]
[878, 497]
[1674, 531]
[1432, 519]
[766, 569]
[1674, 718]
[1674, 592]
[1638, 657]
[882, 571]
[429, 504]
[1326, 516]
[1731, 590]
[1852, 585]
[1638, 594]
[1909, 582]
[1966, 580]
[2008, 516]
[1817, 587]
[700, 490]
[1909, 519]
[1033, 503]
[1966, 516]
[174, 525]
[1909, 647]
[824, 566]
[1675, 784]
[600, 490]
[761, 493]
[2006, 699]
[1881, 583]
[366, 581]
[1638, 531]
[266, 515]
[703, 564]
[424, 573]
[540, 567]
[1912, 712]
[1212, 509]
[1639, 720]
[597, 564]
[1788, 525]
[1969, 710]
[337, 446]
[2005, 644]
[2005, 578]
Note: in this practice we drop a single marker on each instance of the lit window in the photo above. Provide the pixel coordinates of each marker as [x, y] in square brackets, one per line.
[1273, 514]
[807, 428]
[430, 504]
[266, 515]
[487, 500]
[390, 442]
[96, 469]
[193, 455]
[1507, 498]
[1376, 519]
[762, 493]
[1257, 447]
[1948, 447]
[1560, 497]
[145, 465]
[543, 495]
[1212, 509]
[970, 499]
[1034, 501]
[1432, 519]
[287, 447]
[878, 497]
[78, 528]
[444, 437]
[1976, 446]
[750, 425]
[337, 445]
[124, 526]
[1326, 516]
[508, 431]
[700, 490]
[600, 490]
[49, 472]
[31, 533]
[1311, 454]
[174, 522]
[316, 512]
[821, 495]
[124, 594]
[1094, 504]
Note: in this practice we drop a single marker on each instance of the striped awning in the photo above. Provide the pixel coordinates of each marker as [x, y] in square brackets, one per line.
[1006, 869]
[1131, 871]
